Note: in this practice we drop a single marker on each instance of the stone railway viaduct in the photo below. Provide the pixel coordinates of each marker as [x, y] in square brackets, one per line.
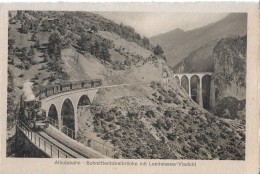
[199, 77]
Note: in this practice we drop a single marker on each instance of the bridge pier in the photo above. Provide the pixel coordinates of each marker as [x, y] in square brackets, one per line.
[212, 95]
[76, 125]
[200, 92]
[59, 119]
[189, 84]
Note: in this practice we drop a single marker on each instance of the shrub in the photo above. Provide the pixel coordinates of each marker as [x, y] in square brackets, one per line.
[150, 114]
[159, 109]
[167, 99]
[20, 66]
[168, 124]
[21, 75]
[158, 50]
[168, 113]
[128, 62]
[37, 44]
[33, 62]
[171, 136]
[160, 123]
[109, 117]
[118, 66]
[27, 65]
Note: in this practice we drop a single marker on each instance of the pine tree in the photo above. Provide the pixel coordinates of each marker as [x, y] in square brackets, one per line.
[56, 42]
[46, 56]
[34, 37]
[25, 27]
[31, 52]
[158, 50]
[37, 44]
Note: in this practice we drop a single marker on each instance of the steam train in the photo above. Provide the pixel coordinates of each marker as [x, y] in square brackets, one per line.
[57, 88]
[30, 110]
[32, 115]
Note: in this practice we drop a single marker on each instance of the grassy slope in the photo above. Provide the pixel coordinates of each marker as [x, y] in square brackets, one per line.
[200, 60]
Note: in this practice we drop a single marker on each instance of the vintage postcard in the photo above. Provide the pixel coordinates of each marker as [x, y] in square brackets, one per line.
[130, 87]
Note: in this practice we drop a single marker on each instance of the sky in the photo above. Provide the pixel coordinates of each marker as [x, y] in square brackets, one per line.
[153, 23]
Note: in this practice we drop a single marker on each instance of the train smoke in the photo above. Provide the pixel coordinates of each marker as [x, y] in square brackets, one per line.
[27, 91]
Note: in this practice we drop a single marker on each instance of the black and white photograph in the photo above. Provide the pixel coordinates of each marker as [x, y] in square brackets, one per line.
[126, 85]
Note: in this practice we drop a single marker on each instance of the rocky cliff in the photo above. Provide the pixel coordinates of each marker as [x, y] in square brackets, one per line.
[230, 67]
[230, 76]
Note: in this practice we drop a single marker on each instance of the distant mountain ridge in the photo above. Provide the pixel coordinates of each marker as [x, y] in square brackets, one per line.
[178, 44]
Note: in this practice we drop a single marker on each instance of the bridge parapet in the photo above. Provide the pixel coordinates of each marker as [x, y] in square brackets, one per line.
[49, 148]
[189, 75]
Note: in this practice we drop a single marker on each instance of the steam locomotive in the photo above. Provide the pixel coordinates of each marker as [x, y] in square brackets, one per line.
[32, 115]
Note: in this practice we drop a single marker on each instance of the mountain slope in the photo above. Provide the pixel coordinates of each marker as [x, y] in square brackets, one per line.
[148, 120]
[177, 44]
[200, 60]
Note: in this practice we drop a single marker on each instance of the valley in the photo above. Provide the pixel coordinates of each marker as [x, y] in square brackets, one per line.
[152, 119]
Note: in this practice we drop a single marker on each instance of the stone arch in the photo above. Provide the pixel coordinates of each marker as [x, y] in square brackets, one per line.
[84, 116]
[185, 83]
[195, 88]
[177, 79]
[206, 90]
[53, 115]
[83, 101]
[68, 115]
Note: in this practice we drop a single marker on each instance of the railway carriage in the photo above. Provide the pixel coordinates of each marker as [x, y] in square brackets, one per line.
[57, 88]
[76, 85]
[66, 86]
[96, 83]
[49, 90]
[86, 83]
